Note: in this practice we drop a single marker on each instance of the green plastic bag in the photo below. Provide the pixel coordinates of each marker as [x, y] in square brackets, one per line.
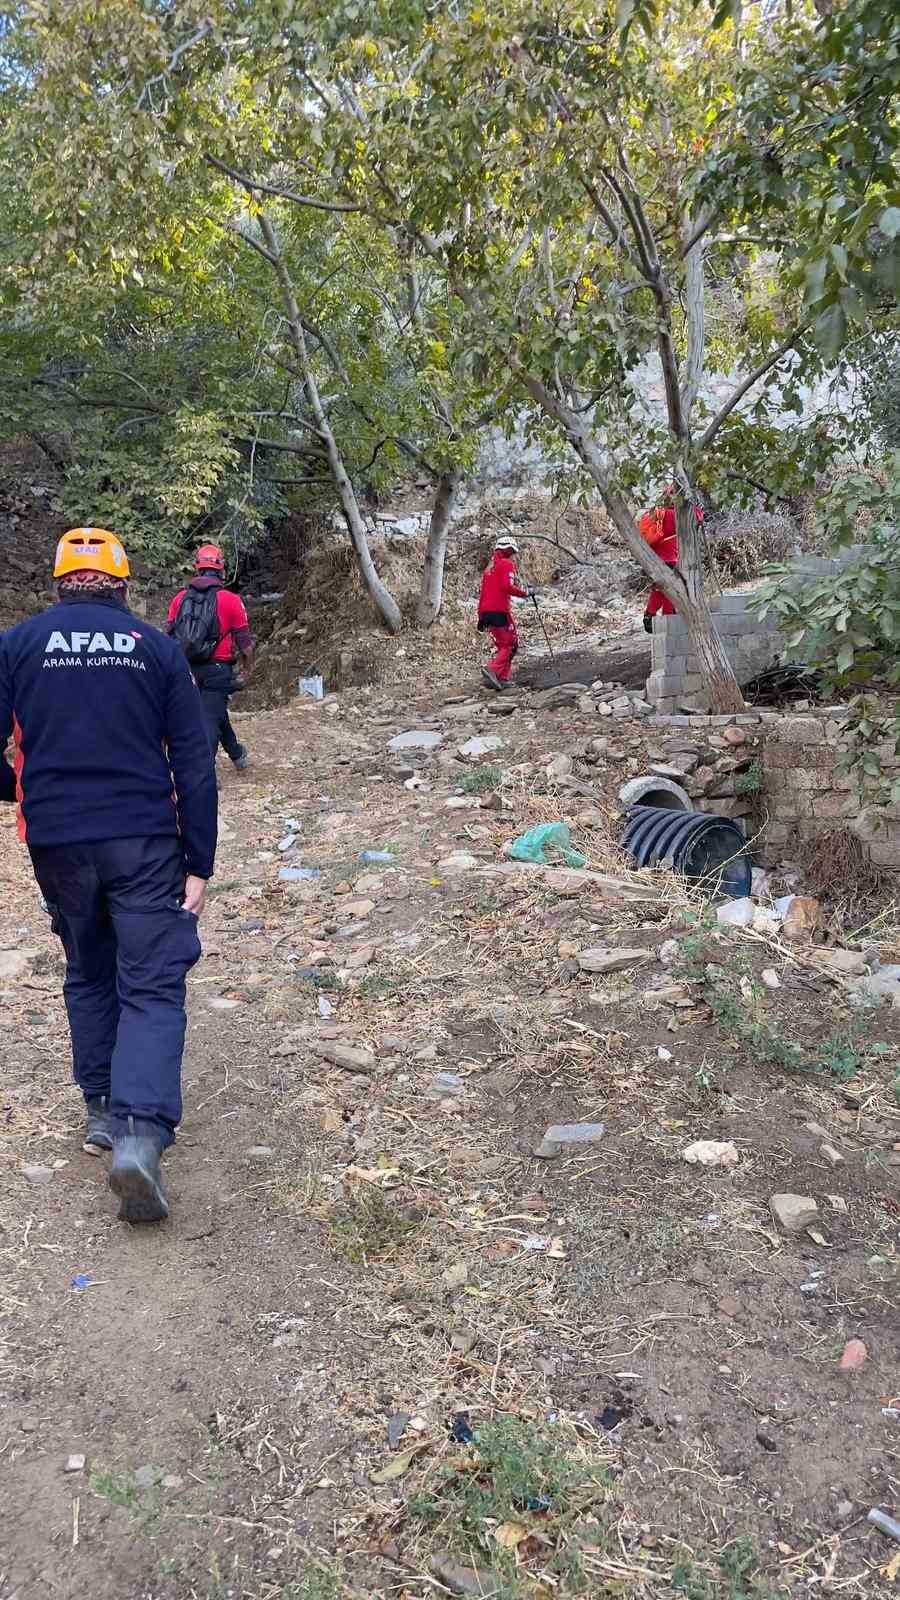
[554, 837]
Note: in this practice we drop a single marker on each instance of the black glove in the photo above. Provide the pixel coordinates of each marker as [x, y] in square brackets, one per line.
[648, 622]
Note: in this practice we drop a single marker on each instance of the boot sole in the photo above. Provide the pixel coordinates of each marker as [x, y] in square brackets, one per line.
[98, 1147]
[141, 1198]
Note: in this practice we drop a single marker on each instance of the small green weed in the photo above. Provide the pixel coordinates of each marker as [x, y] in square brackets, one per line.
[379, 987]
[519, 1474]
[736, 1576]
[317, 1582]
[323, 978]
[117, 1487]
[845, 1052]
[369, 1227]
[750, 781]
[738, 1004]
[482, 780]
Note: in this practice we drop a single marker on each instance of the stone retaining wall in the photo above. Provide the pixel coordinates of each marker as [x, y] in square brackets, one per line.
[801, 794]
[752, 643]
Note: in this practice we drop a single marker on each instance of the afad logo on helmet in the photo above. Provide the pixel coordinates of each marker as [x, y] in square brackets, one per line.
[91, 550]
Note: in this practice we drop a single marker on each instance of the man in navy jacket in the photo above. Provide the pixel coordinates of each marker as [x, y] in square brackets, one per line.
[118, 803]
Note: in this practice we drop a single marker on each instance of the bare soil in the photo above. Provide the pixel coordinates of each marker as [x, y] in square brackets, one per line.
[230, 1376]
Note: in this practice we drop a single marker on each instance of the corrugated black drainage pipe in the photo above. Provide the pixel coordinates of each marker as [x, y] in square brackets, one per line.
[707, 850]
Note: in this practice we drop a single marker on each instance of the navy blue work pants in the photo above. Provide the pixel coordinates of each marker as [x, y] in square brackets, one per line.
[116, 906]
[215, 680]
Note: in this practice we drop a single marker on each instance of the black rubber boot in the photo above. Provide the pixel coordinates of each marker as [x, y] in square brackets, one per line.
[241, 762]
[98, 1135]
[491, 678]
[135, 1177]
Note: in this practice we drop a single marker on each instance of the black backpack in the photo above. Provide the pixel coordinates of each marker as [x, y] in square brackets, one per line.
[196, 626]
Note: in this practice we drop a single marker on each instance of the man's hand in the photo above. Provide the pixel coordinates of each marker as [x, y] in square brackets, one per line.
[194, 895]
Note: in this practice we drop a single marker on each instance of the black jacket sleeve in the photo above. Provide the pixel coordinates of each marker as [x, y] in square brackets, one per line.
[193, 770]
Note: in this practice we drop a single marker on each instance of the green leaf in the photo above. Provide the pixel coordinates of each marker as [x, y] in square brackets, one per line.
[889, 222]
[845, 657]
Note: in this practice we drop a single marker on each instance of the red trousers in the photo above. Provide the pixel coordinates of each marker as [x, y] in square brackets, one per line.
[506, 641]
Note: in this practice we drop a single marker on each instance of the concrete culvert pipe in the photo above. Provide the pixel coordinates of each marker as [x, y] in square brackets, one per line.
[707, 850]
[655, 791]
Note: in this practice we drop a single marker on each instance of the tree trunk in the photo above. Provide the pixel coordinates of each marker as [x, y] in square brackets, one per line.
[719, 682]
[432, 586]
[381, 597]
[684, 586]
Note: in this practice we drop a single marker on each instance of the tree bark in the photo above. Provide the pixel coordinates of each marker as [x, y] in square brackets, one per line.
[684, 585]
[431, 590]
[381, 597]
[695, 312]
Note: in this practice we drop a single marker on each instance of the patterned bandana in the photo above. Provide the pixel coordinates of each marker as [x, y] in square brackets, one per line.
[89, 582]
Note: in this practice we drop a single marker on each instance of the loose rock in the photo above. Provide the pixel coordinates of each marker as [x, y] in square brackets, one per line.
[481, 746]
[712, 1153]
[575, 1133]
[74, 1464]
[794, 1212]
[350, 1057]
[416, 739]
[855, 1355]
[803, 919]
[259, 1155]
[38, 1177]
[736, 913]
[599, 959]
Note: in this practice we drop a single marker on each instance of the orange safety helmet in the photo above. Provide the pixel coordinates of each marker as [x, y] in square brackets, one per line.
[209, 555]
[91, 550]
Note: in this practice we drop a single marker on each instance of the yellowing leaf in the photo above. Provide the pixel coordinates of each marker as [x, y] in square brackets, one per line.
[891, 1569]
[397, 1465]
[509, 1534]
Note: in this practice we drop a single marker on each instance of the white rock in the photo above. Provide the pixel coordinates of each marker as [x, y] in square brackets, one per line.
[662, 1054]
[668, 952]
[13, 963]
[711, 1153]
[770, 978]
[736, 913]
[765, 920]
[74, 1464]
[481, 746]
[458, 861]
[416, 739]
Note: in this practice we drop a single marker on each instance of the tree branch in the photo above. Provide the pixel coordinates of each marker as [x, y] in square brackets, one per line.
[737, 394]
[253, 186]
[695, 311]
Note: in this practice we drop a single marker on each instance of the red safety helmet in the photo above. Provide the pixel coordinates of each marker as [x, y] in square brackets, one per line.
[209, 555]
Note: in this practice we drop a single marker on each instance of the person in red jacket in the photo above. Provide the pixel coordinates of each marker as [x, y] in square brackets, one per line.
[659, 529]
[495, 615]
[213, 657]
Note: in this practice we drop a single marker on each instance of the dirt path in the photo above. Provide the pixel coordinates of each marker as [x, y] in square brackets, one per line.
[394, 1265]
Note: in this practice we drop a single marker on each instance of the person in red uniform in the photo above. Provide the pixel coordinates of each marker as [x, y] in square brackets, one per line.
[213, 631]
[495, 615]
[659, 529]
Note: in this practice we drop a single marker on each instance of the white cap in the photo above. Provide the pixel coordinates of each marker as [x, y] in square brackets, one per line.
[507, 544]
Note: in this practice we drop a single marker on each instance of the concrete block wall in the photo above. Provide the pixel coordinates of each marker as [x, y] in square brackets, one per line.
[752, 644]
